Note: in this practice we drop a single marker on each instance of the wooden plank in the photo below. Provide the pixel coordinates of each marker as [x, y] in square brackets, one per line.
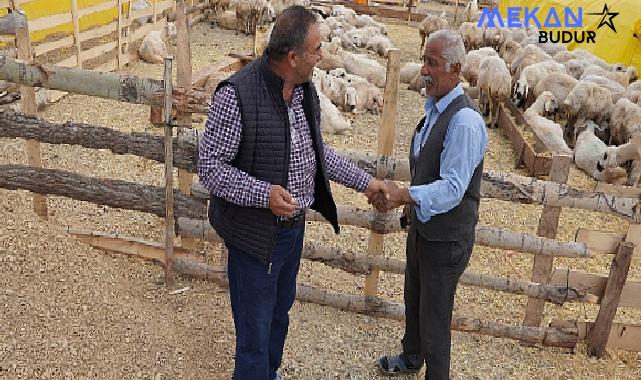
[595, 284]
[120, 41]
[169, 173]
[53, 45]
[625, 191]
[610, 301]
[99, 32]
[97, 8]
[68, 62]
[47, 22]
[385, 147]
[164, 5]
[29, 107]
[623, 336]
[143, 30]
[548, 225]
[599, 241]
[99, 50]
[183, 79]
[76, 31]
[227, 65]
[5, 4]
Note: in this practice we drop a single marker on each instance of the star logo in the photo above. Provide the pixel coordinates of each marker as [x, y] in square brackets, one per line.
[606, 18]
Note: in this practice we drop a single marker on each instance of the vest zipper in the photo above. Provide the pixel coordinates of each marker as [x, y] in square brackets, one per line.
[269, 268]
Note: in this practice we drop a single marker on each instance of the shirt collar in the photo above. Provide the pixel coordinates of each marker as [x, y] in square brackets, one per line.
[445, 101]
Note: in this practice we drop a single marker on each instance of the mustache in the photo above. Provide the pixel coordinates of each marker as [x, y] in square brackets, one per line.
[427, 80]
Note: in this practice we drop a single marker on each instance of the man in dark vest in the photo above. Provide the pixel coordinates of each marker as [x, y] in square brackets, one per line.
[264, 163]
[446, 163]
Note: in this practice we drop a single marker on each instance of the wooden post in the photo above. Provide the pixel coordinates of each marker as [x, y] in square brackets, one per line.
[618, 274]
[183, 72]
[169, 176]
[29, 107]
[548, 224]
[120, 57]
[385, 147]
[76, 30]
[154, 12]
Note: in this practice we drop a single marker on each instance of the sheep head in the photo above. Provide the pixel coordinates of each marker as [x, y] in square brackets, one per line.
[351, 99]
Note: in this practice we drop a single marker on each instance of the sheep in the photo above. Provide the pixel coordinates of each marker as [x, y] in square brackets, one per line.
[381, 45]
[472, 36]
[368, 96]
[625, 121]
[410, 71]
[470, 69]
[630, 151]
[153, 47]
[227, 20]
[336, 89]
[363, 35]
[616, 90]
[557, 83]
[548, 47]
[367, 20]
[367, 68]
[331, 119]
[517, 35]
[633, 92]
[344, 14]
[575, 67]
[494, 37]
[591, 155]
[220, 7]
[324, 30]
[244, 16]
[430, 24]
[471, 11]
[622, 77]
[529, 55]
[138, 5]
[494, 84]
[416, 84]
[549, 132]
[330, 61]
[509, 50]
[531, 75]
[588, 100]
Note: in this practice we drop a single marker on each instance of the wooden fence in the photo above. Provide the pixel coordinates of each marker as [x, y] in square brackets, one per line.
[186, 207]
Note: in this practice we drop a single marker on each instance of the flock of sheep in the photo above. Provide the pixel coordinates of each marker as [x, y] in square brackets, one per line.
[571, 98]
[575, 102]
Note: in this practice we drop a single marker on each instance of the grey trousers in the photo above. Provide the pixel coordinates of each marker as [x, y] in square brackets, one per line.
[431, 275]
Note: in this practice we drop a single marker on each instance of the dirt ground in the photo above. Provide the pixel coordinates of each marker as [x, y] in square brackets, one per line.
[69, 311]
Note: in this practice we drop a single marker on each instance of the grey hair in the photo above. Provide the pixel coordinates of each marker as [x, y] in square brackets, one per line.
[453, 47]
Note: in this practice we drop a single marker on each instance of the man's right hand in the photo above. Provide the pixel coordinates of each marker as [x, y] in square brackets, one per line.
[281, 202]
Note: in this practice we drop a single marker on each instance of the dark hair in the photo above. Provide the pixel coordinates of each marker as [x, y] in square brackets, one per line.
[290, 31]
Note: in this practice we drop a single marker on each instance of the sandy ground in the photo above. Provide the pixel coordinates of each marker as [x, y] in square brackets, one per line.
[69, 311]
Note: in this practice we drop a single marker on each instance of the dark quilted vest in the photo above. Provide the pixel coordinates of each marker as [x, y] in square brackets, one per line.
[462, 219]
[264, 153]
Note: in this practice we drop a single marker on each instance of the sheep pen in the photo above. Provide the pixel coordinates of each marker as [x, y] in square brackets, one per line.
[71, 311]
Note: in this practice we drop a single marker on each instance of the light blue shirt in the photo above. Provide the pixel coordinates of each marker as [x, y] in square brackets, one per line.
[463, 149]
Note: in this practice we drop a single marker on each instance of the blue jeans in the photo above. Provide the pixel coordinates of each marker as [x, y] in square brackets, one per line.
[260, 303]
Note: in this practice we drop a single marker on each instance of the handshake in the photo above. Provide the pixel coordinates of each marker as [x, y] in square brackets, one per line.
[386, 195]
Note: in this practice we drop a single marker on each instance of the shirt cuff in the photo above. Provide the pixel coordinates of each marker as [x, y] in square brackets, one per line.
[422, 215]
[262, 194]
[362, 181]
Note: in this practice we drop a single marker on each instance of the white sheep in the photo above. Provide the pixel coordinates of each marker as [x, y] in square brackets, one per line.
[509, 50]
[153, 47]
[575, 67]
[586, 100]
[529, 55]
[409, 71]
[494, 84]
[633, 92]
[470, 69]
[495, 37]
[472, 36]
[549, 132]
[244, 16]
[367, 20]
[531, 75]
[518, 35]
[471, 11]
[557, 83]
[331, 119]
[380, 45]
[430, 24]
[630, 151]
[365, 67]
[622, 77]
[625, 121]
[592, 156]
[616, 89]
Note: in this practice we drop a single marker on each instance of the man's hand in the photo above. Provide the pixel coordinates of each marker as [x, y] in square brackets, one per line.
[281, 202]
[377, 194]
[397, 196]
